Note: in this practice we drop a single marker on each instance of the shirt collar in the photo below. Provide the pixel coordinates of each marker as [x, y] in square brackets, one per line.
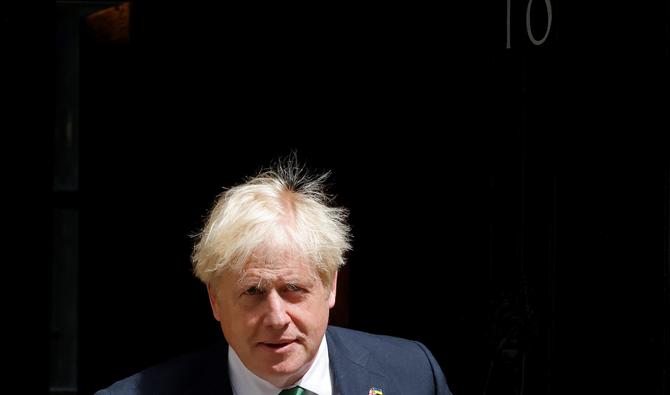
[317, 379]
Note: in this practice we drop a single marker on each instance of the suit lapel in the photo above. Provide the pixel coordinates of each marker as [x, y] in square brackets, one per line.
[350, 366]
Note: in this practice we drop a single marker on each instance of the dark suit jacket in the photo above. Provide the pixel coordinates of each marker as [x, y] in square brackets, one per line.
[358, 361]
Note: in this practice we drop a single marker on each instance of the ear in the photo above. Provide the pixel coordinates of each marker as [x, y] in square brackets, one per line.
[333, 292]
[213, 302]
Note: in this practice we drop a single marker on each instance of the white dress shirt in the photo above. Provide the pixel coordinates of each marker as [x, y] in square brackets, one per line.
[317, 379]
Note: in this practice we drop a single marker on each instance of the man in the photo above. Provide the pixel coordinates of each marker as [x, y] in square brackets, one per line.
[269, 255]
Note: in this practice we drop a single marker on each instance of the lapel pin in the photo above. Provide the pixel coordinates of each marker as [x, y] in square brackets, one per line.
[375, 391]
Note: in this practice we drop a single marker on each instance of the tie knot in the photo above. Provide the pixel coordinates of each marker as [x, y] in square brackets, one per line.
[297, 391]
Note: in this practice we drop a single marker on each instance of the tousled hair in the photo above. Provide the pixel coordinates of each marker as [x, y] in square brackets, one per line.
[280, 210]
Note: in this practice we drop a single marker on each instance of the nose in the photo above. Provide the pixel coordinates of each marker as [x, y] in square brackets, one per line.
[276, 316]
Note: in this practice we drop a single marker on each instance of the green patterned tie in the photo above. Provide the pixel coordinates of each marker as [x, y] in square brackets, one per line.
[296, 391]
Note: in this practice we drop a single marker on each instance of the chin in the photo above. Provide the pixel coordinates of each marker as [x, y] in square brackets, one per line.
[288, 368]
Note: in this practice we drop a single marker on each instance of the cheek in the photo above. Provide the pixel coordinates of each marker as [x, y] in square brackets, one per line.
[231, 317]
[314, 317]
[237, 330]
[241, 322]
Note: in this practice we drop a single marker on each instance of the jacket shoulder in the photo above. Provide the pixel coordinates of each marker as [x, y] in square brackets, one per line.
[377, 344]
[408, 362]
[181, 375]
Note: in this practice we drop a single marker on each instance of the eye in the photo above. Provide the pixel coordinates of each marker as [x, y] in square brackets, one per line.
[252, 291]
[292, 287]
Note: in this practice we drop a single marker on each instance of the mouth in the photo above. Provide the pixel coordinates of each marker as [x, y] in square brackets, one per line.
[280, 345]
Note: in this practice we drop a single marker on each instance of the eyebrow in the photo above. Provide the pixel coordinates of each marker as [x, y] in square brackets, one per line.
[246, 282]
[262, 281]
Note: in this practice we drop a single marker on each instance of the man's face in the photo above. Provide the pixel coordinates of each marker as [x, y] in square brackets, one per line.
[274, 315]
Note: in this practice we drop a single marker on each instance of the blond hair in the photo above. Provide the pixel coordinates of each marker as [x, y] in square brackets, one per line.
[281, 209]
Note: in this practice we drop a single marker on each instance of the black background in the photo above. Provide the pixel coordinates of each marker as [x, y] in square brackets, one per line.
[509, 205]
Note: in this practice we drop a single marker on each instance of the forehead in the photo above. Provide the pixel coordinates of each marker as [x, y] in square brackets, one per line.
[277, 263]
